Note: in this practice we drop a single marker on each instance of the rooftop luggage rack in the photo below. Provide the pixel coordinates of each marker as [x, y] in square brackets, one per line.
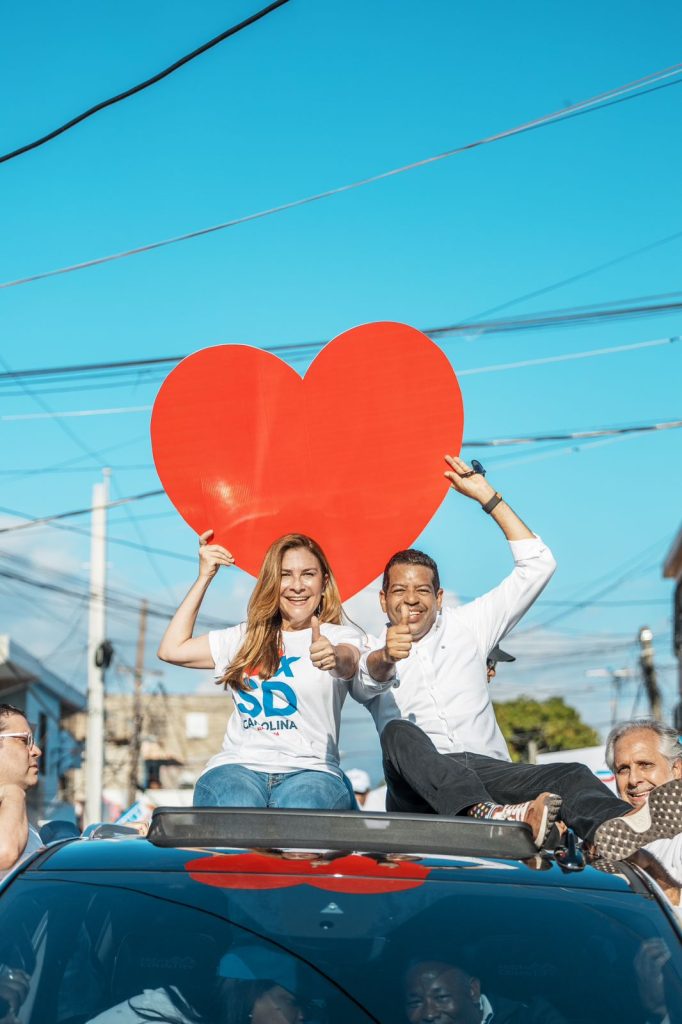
[248, 828]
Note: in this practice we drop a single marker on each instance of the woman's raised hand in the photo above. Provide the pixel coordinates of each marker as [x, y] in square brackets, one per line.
[322, 650]
[212, 556]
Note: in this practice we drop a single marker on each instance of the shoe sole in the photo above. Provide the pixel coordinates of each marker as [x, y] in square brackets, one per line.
[617, 839]
[549, 816]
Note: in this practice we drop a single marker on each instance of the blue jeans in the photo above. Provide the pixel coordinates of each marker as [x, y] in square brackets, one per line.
[232, 785]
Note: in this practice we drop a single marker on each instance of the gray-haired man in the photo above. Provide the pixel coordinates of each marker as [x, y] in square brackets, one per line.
[644, 754]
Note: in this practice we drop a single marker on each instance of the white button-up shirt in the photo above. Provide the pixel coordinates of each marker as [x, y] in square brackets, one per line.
[442, 686]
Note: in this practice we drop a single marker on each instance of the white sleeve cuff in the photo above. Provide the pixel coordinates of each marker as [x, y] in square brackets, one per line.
[531, 547]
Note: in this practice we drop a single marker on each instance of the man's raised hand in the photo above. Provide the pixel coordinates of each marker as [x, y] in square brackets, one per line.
[463, 479]
[212, 556]
[322, 652]
[399, 638]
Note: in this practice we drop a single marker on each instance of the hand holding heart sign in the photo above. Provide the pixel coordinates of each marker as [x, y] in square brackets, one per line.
[350, 455]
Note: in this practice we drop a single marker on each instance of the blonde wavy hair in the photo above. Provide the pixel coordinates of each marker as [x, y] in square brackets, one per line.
[261, 648]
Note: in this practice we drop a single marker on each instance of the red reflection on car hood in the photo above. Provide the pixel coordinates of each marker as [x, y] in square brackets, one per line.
[350, 873]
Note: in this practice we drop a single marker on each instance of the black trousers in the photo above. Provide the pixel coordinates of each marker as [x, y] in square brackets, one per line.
[420, 780]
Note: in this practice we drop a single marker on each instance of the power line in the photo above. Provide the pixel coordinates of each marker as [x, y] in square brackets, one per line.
[577, 435]
[497, 442]
[628, 91]
[103, 104]
[76, 459]
[69, 587]
[44, 470]
[572, 317]
[586, 603]
[84, 532]
[568, 357]
[73, 436]
[80, 511]
[579, 276]
[73, 414]
[88, 368]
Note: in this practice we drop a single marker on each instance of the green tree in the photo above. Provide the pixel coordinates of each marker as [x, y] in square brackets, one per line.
[552, 724]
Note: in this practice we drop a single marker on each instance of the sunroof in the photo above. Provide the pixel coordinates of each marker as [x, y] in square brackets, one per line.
[245, 828]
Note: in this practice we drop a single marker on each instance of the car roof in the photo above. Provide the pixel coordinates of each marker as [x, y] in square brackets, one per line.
[139, 855]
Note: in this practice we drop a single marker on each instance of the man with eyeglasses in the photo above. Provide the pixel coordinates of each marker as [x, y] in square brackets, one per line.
[18, 773]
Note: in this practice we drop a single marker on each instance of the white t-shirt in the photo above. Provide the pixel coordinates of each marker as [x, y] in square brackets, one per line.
[151, 1004]
[291, 721]
[33, 843]
[668, 852]
[442, 686]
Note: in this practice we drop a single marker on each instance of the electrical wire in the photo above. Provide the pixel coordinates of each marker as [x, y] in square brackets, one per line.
[76, 459]
[122, 541]
[497, 442]
[74, 414]
[85, 448]
[112, 599]
[80, 511]
[575, 317]
[492, 368]
[52, 470]
[628, 91]
[103, 104]
[577, 435]
[579, 276]
[568, 357]
[587, 602]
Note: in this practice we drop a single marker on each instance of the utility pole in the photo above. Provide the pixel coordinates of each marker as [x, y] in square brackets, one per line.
[98, 655]
[138, 714]
[646, 662]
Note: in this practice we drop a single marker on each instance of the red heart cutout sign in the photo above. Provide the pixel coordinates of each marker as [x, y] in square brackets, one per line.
[352, 454]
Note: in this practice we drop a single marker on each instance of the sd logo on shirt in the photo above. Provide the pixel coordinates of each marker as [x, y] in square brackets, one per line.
[278, 699]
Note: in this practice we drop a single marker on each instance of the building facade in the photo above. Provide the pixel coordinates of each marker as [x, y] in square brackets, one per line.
[178, 735]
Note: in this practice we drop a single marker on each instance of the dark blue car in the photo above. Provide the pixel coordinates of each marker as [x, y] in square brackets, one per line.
[261, 917]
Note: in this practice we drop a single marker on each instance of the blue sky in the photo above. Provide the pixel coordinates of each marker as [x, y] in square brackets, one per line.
[314, 96]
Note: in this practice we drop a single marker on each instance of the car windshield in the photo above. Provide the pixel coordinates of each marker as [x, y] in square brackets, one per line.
[243, 948]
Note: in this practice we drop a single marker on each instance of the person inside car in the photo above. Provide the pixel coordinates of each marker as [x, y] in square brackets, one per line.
[257, 1002]
[19, 756]
[14, 987]
[288, 668]
[225, 1002]
[443, 750]
[442, 993]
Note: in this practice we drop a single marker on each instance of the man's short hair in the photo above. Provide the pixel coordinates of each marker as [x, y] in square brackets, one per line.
[669, 739]
[410, 556]
[6, 710]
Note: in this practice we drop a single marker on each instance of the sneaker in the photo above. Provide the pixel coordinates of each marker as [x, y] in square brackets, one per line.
[540, 814]
[659, 818]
